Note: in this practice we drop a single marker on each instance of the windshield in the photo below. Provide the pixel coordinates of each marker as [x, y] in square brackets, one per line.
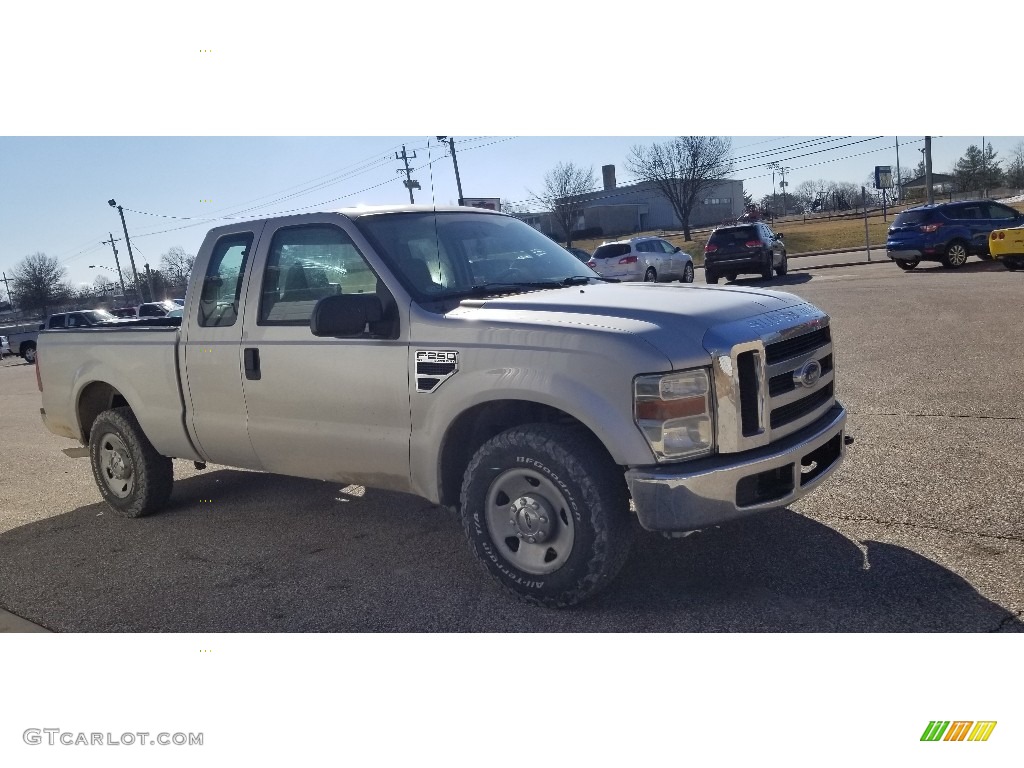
[452, 255]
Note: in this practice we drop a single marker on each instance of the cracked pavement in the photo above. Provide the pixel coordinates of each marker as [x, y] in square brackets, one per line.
[921, 529]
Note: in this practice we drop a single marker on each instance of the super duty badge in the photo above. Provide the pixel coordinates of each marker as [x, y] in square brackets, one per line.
[433, 367]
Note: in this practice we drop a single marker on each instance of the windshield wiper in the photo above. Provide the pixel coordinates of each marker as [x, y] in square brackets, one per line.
[489, 289]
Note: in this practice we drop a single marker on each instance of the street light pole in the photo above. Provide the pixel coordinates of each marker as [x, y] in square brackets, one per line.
[131, 256]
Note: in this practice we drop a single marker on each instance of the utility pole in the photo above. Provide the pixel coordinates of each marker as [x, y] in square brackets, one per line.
[984, 170]
[899, 179]
[131, 256]
[149, 282]
[409, 182]
[112, 240]
[10, 298]
[783, 170]
[928, 169]
[774, 165]
[451, 146]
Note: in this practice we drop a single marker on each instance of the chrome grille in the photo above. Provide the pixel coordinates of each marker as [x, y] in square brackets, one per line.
[758, 396]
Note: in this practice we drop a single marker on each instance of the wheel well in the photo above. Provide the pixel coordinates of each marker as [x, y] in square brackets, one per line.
[27, 345]
[477, 425]
[94, 400]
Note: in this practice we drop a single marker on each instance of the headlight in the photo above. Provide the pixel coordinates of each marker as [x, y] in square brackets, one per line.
[673, 410]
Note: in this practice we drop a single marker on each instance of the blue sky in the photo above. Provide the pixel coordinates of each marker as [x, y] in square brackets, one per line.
[54, 190]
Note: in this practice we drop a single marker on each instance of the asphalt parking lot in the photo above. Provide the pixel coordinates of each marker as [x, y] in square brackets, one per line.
[921, 529]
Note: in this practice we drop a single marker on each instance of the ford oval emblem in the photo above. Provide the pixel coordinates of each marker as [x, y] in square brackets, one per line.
[808, 374]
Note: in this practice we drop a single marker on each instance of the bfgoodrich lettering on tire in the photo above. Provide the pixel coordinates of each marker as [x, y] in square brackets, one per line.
[546, 512]
[133, 478]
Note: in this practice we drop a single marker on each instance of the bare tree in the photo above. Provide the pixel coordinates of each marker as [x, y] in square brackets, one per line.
[176, 265]
[39, 283]
[682, 168]
[564, 186]
[1015, 167]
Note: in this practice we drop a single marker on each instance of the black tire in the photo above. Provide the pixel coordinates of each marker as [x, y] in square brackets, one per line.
[1012, 264]
[710, 277]
[906, 266]
[985, 256]
[650, 276]
[571, 496]
[731, 277]
[955, 255]
[784, 266]
[132, 477]
[687, 273]
[28, 353]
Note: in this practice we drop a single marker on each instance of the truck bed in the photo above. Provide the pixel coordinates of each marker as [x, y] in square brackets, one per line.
[134, 361]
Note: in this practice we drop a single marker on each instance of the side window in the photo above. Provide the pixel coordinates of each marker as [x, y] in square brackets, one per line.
[666, 246]
[644, 247]
[306, 264]
[222, 285]
[1001, 212]
[58, 321]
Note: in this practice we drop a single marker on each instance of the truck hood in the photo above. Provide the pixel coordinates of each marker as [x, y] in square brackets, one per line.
[671, 318]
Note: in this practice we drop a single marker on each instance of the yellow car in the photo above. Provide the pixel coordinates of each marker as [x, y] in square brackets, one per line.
[1007, 245]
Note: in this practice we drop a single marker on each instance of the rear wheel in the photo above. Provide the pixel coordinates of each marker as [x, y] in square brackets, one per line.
[784, 266]
[906, 266]
[546, 512]
[731, 277]
[29, 353]
[133, 478]
[1013, 264]
[710, 277]
[650, 276]
[956, 255]
[985, 256]
[688, 274]
[766, 271]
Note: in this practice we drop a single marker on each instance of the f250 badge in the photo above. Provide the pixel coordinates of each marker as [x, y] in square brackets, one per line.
[434, 367]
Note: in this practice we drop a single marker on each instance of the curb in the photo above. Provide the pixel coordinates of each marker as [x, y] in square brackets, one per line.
[11, 623]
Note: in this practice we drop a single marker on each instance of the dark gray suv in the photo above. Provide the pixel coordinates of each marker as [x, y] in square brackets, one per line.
[738, 249]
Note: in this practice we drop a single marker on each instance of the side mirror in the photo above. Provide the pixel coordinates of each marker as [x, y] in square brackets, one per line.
[346, 314]
[678, 249]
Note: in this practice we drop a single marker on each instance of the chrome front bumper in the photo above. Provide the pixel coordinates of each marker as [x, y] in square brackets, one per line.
[711, 491]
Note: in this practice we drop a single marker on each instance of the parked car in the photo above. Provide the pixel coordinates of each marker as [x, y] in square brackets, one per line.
[650, 259]
[580, 254]
[176, 312]
[1007, 245]
[947, 232]
[156, 308]
[179, 302]
[5, 348]
[744, 248]
[24, 341]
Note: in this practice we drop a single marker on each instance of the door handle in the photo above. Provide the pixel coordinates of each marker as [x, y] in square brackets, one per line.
[251, 359]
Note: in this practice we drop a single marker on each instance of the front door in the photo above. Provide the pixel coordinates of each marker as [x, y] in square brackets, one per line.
[325, 408]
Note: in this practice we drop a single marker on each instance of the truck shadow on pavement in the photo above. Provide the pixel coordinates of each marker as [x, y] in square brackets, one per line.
[792, 278]
[243, 551]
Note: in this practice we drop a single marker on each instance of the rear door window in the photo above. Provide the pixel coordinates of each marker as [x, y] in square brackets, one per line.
[222, 285]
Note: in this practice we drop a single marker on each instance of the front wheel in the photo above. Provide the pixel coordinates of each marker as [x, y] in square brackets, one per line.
[546, 512]
[907, 265]
[688, 273]
[132, 477]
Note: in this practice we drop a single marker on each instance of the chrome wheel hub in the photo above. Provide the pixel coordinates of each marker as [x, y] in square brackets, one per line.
[531, 518]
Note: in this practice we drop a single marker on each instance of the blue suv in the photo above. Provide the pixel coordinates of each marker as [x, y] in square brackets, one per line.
[947, 232]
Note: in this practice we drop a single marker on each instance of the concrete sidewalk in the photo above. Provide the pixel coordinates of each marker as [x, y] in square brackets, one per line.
[11, 623]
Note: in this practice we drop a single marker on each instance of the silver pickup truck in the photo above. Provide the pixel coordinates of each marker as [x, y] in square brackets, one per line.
[462, 356]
